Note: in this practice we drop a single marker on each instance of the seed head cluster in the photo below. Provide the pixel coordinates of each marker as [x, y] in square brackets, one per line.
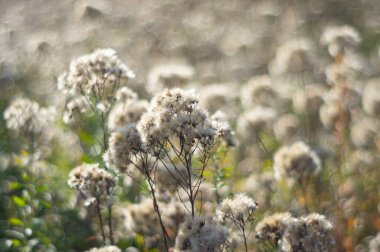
[175, 113]
[309, 233]
[123, 143]
[27, 117]
[201, 234]
[240, 208]
[98, 73]
[296, 162]
[93, 183]
[105, 249]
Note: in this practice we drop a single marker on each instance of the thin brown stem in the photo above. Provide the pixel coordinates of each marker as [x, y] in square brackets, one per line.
[110, 223]
[100, 219]
[156, 208]
[245, 238]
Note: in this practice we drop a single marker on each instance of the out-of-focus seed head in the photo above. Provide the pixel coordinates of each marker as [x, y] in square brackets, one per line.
[296, 162]
[239, 208]
[338, 39]
[371, 98]
[259, 91]
[309, 233]
[272, 227]
[201, 234]
[123, 144]
[27, 117]
[105, 249]
[92, 182]
[169, 76]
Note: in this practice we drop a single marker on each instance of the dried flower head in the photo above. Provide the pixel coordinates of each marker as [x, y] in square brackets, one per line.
[215, 96]
[27, 117]
[286, 127]
[239, 208]
[296, 162]
[363, 132]
[175, 113]
[259, 91]
[293, 56]
[340, 38]
[224, 130]
[371, 98]
[272, 227]
[93, 183]
[201, 234]
[126, 112]
[374, 243]
[252, 121]
[125, 94]
[105, 249]
[123, 143]
[76, 106]
[98, 74]
[310, 99]
[169, 76]
[310, 233]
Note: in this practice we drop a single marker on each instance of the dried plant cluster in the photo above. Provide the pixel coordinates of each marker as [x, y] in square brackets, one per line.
[276, 153]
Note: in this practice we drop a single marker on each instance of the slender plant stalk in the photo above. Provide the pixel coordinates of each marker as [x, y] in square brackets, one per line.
[100, 219]
[245, 238]
[156, 208]
[110, 223]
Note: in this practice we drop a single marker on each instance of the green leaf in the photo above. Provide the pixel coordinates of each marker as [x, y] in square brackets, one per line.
[86, 138]
[18, 201]
[15, 221]
[45, 204]
[41, 188]
[139, 239]
[16, 243]
[15, 185]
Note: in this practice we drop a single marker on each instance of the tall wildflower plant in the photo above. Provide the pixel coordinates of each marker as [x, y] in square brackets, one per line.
[174, 133]
[92, 85]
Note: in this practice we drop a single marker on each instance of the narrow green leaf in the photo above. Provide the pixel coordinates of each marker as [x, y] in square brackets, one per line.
[16, 243]
[15, 185]
[15, 221]
[18, 201]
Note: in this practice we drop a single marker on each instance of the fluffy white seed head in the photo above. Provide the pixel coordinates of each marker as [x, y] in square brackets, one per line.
[259, 91]
[201, 234]
[340, 38]
[371, 98]
[27, 117]
[169, 76]
[126, 112]
[296, 162]
[272, 227]
[293, 56]
[175, 114]
[97, 72]
[105, 249]
[240, 208]
[123, 144]
[252, 121]
[92, 182]
[309, 233]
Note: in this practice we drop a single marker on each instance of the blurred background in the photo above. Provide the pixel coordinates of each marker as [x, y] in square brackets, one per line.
[224, 47]
[225, 41]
